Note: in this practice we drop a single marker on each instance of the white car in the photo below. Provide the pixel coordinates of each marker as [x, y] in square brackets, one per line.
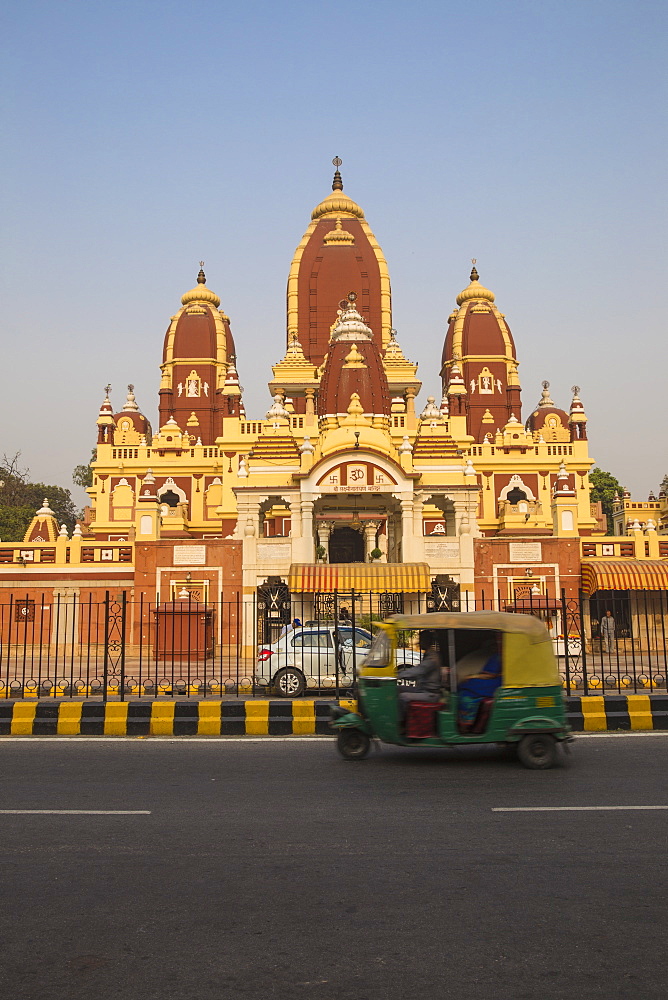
[305, 657]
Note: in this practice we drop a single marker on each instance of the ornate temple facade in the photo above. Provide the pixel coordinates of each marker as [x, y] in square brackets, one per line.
[343, 469]
[344, 482]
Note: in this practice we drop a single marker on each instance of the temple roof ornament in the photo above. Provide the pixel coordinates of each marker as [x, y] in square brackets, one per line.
[545, 399]
[131, 402]
[338, 235]
[350, 325]
[45, 510]
[577, 413]
[431, 411]
[277, 411]
[475, 290]
[456, 383]
[354, 359]
[200, 293]
[393, 353]
[337, 203]
[106, 414]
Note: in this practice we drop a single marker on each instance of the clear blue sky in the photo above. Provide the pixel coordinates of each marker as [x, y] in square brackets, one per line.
[140, 137]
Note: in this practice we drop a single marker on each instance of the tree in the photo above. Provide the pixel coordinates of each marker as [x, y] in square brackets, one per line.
[20, 499]
[82, 475]
[603, 488]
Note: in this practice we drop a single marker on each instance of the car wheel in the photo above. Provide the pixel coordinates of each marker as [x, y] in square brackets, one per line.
[537, 752]
[353, 744]
[289, 683]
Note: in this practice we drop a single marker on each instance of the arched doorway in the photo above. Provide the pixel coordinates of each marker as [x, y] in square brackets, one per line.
[346, 546]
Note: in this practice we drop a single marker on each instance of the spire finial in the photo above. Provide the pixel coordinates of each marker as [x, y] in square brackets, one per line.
[201, 277]
[337, 183]
[474, 273]
[107, 389]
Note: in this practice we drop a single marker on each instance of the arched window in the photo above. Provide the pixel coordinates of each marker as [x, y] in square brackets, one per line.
[516, 495]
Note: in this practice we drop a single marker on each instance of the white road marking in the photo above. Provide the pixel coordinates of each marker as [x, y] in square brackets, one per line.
[75, 812]
[548, 809]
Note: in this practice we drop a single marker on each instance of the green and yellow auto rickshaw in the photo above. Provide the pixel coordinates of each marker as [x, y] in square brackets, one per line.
[526, 711]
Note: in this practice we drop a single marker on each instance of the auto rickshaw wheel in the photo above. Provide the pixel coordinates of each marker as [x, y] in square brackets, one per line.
[353, 744]
[537, 751]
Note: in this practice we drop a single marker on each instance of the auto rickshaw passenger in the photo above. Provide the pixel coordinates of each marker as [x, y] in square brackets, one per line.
[426, 674]
[476, 687]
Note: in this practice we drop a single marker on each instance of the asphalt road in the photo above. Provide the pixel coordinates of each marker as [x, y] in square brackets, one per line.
[274, 869]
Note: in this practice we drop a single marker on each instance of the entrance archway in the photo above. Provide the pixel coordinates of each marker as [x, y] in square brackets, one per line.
[346, 546]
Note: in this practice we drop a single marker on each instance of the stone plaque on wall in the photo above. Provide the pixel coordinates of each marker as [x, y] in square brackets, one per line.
[526, 552]
[441, 551]
[190, 555]
[274, 552]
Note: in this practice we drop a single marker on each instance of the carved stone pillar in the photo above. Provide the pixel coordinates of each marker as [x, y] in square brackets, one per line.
[307, 541]
[406, 530]
[309, 412]
[324, 529]
[383, 541]
[296, 517]
[370, 529]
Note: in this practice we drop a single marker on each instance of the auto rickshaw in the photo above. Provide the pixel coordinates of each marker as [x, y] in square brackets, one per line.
[526, 712]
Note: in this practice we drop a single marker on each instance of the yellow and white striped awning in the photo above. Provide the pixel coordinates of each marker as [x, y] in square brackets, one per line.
[376, 578]
[631, 574]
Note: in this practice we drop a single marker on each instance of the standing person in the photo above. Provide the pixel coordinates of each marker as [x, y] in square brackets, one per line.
[608, 631]
[289, 628]
[426, 674]
[344, 616]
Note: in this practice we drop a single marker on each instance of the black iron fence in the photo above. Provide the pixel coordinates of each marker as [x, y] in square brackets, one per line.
[74, 647]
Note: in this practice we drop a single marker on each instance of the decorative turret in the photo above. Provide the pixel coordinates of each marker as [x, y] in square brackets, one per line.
[548, 420]
[479, 340]
[131, 424]
[105, 420]
[353, 366]
[197, 352]
[456, 390]
[578, 417]
[44, 525]
[401, 373]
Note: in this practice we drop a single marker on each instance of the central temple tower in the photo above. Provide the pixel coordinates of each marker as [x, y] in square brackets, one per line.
[337, 253]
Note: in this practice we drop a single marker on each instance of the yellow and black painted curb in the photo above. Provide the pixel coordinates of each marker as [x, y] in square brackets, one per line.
[272, 718]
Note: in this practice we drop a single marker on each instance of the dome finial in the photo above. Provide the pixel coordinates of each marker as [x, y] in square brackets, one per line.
[546, 399]
[474, 274]
[337, 183]
[201, 277]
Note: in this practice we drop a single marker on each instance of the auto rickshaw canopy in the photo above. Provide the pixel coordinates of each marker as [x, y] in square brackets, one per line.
[528, 659]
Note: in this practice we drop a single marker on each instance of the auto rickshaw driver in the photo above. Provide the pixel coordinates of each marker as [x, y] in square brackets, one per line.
[426, 674]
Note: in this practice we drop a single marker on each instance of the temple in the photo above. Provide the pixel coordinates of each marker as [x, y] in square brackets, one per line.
[344, 483]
